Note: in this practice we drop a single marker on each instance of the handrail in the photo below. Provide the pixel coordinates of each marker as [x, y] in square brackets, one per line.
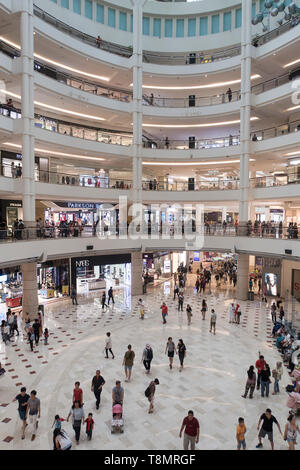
[148, 100]
[87, 38]
[159, 58]
[267, 231]
[259, 40]
[105, 181]
[114, 137]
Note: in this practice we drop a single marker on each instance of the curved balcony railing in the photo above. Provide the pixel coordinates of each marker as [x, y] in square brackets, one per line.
[107, 182]
[86, 38]
[159, 58]
[148, 100]
[115, 138]
[51, 232]
[259, 40]
[221, 98]
[71, 129]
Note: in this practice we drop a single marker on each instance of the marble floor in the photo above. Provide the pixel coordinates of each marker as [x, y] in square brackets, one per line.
[211, 383]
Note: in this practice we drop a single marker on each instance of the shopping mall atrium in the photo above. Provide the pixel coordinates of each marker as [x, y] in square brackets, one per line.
[150, 189]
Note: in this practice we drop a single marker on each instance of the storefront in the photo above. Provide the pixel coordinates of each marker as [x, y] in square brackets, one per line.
[96, 273]
[53, 279]
[11, 165]
[10, 211]
[11, 289]
[157, 265]
[85, 213]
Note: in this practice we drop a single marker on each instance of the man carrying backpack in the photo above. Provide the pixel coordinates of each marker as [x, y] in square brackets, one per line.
[150, 392]
[147, 358]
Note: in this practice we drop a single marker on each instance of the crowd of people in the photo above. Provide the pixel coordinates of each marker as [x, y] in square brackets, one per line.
[258, 375]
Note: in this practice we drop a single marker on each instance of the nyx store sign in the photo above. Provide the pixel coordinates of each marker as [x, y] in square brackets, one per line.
[82, 263]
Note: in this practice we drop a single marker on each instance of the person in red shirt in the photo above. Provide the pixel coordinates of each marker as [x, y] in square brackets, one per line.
[89, 426]
[260, 364]
[78, 393]
[164, 312]
[192, 430]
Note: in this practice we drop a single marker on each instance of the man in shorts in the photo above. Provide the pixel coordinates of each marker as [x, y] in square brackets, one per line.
[22, 398]
[34, 411]
[128, 362]
[267, 428]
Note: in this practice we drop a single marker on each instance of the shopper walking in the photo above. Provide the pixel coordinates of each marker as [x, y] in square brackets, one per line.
[251, 381]
[22, 398]
[74, 295]
[78, 393]
[203, 309]
[189, 314]
[97, 386]
[277, 374]
[110, 295]
[34, 412]
[171, 350]
[267, 428]
[117, 394]
[240, 434]
[36, 329]
[260, 363]
[180, 302]
[164, 312]
[191, 428]
[89, 426]
[147, 357]
[213, 321]
[128, 362]
[30, 336]
[103, 300]
[108, 346]
[265, 380]
[150, 392]
[181, 349]
[77, 414]
[290, 432]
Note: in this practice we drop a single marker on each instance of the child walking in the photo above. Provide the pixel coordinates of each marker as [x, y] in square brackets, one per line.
[57, 422]
[240, 434]
[89, 426]
[46, 336]
[213, 320]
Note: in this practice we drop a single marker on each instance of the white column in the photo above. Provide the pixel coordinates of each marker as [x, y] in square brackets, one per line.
[224, 213]
[242, 277]
[30, 297]
[136, 273]
[27, 92]
[245, 113]
[137, 59]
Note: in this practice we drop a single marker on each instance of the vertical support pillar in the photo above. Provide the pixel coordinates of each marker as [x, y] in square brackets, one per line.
[242, 277]
[27, 89]
[245, 114]
[137, 59]
[136, 273]
[30, 297]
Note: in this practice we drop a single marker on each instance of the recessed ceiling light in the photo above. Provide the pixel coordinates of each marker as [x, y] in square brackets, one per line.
[52, 152]
[198, 87]
[222, 162]
[55, 108]
[206, 124]
[58, 64]
[291, 63]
